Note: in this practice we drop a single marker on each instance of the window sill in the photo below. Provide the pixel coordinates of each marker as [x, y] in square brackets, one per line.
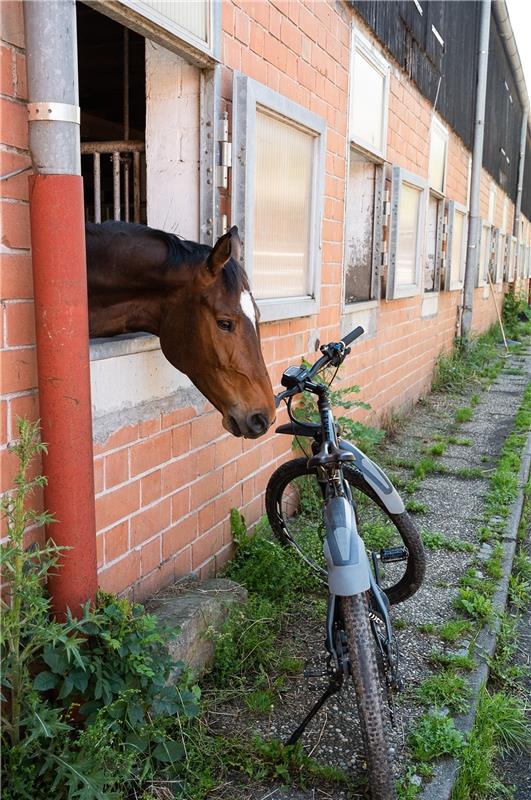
[363, 305]
[287, 308]
[126, 345]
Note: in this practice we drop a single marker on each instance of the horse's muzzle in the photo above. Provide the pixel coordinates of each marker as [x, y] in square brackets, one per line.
[251, 427]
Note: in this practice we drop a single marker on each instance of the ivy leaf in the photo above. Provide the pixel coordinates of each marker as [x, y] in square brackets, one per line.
[45, 680]
[168, 751]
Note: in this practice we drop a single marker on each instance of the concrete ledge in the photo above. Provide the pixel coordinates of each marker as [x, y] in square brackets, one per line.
[445, 773]
[197, 608]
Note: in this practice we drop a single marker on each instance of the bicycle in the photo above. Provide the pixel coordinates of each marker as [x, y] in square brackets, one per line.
[341, 483]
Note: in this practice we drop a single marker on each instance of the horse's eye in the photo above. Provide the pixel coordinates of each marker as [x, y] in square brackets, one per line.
[226, 325]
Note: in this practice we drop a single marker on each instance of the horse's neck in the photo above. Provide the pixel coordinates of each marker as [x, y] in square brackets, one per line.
[125, 316]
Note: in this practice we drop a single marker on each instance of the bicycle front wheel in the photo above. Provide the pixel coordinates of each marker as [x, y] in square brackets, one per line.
[294, 507]
[364, 671]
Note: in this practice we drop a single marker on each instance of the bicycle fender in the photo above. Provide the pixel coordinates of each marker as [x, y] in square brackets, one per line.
[376, 478]
[344, 551]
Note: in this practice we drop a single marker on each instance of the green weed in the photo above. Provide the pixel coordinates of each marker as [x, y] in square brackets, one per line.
[454, 660]
[445, 689]
[434, 540]
[416, 507]
[463, 414]
[454, 630]
[475, 605]
[435, 735]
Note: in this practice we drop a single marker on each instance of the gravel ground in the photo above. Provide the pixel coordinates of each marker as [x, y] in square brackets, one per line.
[455, 509]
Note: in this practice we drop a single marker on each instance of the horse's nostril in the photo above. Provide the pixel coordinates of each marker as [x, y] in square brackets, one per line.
[258, 423]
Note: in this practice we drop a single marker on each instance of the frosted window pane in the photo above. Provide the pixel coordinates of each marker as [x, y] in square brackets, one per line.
[457, 247]
[192, 15]
[408, 218]
[282, 209]
[367, 102]
[437, 159]
[431, 245]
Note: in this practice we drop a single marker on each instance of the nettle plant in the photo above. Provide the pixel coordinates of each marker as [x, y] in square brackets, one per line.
[88, 709]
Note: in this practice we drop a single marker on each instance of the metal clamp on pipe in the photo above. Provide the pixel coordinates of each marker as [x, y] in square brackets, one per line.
[54, 112]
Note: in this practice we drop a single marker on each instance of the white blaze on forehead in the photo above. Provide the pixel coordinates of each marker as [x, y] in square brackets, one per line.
[247, 306]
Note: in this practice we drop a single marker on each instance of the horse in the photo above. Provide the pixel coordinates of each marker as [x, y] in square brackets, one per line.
[197, 300]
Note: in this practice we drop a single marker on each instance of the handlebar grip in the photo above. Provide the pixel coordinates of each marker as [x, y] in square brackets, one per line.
[352, 335]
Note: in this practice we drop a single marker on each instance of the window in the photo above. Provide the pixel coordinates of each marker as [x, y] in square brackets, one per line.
[368, 96]
[363, 220]
[456, 245]
[277, 182]
[438, 156]
[408, 201]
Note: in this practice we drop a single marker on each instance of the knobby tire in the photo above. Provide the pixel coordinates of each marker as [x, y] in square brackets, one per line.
[364, 671]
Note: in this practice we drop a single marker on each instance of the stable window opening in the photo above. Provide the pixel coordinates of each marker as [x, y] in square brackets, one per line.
[407, 221]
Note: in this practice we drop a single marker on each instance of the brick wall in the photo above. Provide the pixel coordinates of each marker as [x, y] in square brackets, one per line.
[165, 486]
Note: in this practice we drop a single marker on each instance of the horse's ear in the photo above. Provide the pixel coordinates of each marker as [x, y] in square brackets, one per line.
[227, 246]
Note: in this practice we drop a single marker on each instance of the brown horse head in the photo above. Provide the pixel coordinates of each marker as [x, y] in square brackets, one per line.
[197, 300]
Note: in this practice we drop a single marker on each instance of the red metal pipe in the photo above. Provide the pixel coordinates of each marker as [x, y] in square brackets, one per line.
[61, 315]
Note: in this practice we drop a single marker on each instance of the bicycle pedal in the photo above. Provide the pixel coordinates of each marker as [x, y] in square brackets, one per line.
[389, 554]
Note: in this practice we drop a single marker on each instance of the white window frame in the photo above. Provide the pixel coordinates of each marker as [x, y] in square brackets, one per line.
[361, 44]
[436, 123]
[500, 256]
[399, 177]
[453, 207]
[156, 26]
[249, 94]
[481, 274]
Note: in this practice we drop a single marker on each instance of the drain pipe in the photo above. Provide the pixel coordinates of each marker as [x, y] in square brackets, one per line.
[60, 287]
[518, 203]
[474, 229]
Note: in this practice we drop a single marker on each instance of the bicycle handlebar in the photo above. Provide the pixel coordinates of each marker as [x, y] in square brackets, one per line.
[333, 352]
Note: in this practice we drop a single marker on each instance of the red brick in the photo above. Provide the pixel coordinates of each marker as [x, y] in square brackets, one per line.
[207, 546]
[180, 504]
[275, 20]
[112, 506]
[116, 541]
[16, 187]
[227, 18]
[6, 71]
[99, 551]
[150, 555]
[178, 473]
[16, 280]
[257, 40]
[232, 51]
[18, 370]
[151, 487]
[180, 440]
[13, 123]
[23, 407]
[98, 475]
[259, 11]
[275, 52]
[20, 319]
[151, 453]
[290, 36]
[160, 577]
[242, 27]
[21, 84]
[12, 22]
[3, 422]
[206, 429]
[116, 468]
[177, 416]
[148, 427]
[206, 488]
[151, 521]
[117, 439]
[15, 224]
[183, 562]
[308, 23]
[205, 518]
[122, 574]
[180, 535]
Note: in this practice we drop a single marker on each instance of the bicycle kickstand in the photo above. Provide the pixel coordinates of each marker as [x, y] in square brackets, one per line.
[336, 681]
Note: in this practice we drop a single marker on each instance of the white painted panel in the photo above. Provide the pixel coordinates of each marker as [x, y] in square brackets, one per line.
[359, 229]
[123, 382]
[457, 247]
[172, 142]
[368, 102]
[191, 14]
[439, 141]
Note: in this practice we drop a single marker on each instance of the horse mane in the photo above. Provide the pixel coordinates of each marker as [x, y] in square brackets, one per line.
[233, 274]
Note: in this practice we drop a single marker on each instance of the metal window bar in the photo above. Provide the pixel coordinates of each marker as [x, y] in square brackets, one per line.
[120, 151]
